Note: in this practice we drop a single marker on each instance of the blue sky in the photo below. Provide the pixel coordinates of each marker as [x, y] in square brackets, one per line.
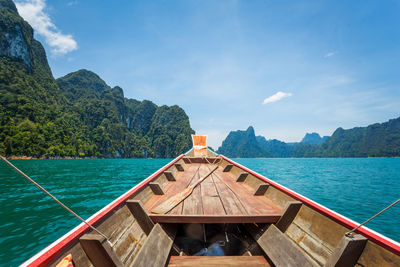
[325, 64]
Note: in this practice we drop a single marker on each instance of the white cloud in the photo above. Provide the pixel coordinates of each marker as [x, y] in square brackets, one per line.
[276, 97]
[33, 12]
[72, 3]
[330, 54]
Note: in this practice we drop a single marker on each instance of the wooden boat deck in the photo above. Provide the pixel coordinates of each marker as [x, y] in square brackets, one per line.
[218, 199]
[216, 261]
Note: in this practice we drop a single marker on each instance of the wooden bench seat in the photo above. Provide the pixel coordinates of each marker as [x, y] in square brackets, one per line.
[156, 248]
[217, 261]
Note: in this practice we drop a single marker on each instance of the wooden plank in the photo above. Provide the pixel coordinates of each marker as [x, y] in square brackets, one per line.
[247, 253]
[114, 226]
[242, 177]
[174, 200]
[170, 176]
[183, 180]
[126, 245]
[186, 160]
[282, 251]
[156, 188]
[172, 218]
[177, 210]
[253, 205]
[347, 252]
[217, 261]
[99, 251]
[179, 167]
[211, 201]
[261, 189]
[228, 168]
[192, 204]
[140, 214]
[217, 160]
[211, 160]
[230, 201]
[288, 215]
[156, 248]
[374, 253]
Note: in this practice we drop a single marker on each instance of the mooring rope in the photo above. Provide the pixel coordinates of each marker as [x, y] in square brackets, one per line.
[350, 233]
[54, 198]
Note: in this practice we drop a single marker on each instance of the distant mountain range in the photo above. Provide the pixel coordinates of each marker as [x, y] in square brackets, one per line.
[376, 140]
[77, 115]
[313, 139]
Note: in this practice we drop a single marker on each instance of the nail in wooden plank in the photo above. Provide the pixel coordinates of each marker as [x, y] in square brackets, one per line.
[156, 188]
[179, 167]
[347, 252]
[261, 189]
[228, 168]
[156, 248]
[99, 251]
[282, 250]
[170, 176]
[242, 177]
[140, 215]
[288, 215]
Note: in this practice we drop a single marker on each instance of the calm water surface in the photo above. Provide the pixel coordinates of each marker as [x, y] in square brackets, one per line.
[30, 220]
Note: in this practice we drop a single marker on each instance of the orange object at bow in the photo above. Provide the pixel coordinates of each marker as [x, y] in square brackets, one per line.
[66, 262]
[199, 145]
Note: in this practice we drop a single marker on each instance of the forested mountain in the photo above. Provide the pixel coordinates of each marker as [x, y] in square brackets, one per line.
[275, 148]
[376, 140]
[242, 144]
[313, 139]
[78, 114]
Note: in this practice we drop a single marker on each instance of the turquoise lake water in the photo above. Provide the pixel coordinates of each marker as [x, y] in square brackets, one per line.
[30, 220]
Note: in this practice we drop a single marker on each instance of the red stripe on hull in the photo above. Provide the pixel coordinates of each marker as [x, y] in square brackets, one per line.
[54, 251]
[337, 218]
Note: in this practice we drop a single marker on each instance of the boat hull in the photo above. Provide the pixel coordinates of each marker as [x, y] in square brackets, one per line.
[315, 230]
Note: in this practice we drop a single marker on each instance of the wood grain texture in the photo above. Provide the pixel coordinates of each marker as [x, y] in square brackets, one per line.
[170, 176]
[217, 195]
[375, 255]
[172, 218]
[193, 204]
[288, 215]
[261, 189]
[228, 168]
[99, 251]
[242, 177]
[217, 261]
[78, 255]
[210, 198]
[183, 179]
[173, 200]
[253, 204]
[347, 252]
[186, 160]
[231, 202]
[282, 251]
[179, 167]
[155, 249]
[140, 214]
[156, 188]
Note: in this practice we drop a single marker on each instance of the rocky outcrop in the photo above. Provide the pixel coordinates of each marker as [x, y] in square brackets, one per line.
[15, 34]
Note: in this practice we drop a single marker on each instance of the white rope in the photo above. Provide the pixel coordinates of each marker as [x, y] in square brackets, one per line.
[350, 233]
[53, 197]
